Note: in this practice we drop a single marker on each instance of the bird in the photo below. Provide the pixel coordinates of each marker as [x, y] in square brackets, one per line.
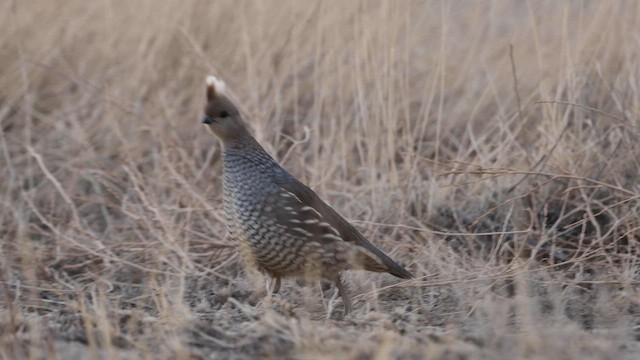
[278, 224]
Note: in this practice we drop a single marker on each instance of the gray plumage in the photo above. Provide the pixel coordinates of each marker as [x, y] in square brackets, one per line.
[278, 224]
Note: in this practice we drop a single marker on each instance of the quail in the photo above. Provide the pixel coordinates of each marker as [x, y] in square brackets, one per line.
[278, 224]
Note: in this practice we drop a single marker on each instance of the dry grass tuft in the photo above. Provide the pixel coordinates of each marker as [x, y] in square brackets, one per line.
[491, 147]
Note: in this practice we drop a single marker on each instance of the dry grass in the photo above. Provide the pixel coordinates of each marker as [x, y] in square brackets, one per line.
[514, 199]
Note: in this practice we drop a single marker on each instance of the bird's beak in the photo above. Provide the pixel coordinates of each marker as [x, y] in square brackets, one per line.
[207, 120]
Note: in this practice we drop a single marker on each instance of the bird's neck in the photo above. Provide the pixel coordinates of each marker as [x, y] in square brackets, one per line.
[243, 144]
[250, 151]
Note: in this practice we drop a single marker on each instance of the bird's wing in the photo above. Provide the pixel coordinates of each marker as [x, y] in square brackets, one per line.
[301, 217]
[308, 212]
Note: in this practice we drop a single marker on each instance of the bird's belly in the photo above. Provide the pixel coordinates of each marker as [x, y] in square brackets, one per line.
[281, 254]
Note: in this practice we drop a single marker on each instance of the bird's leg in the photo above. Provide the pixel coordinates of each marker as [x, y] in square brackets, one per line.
[344, 296]
[276, 285]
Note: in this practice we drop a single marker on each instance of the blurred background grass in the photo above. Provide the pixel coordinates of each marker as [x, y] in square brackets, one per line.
[491, 147]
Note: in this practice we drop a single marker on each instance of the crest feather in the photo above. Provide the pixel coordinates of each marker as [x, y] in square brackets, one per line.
[215, 86]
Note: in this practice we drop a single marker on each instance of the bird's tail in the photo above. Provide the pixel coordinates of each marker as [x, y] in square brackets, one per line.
[383, 263]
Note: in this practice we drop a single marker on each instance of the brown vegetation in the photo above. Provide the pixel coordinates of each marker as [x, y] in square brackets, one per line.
[491, 147]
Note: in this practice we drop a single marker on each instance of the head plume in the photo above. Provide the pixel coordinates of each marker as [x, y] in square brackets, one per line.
[215, 87]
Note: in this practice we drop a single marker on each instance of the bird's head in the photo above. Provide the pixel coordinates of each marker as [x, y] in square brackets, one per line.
[220, 115]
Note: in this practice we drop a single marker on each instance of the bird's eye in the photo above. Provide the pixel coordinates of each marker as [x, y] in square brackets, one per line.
[224, 114]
